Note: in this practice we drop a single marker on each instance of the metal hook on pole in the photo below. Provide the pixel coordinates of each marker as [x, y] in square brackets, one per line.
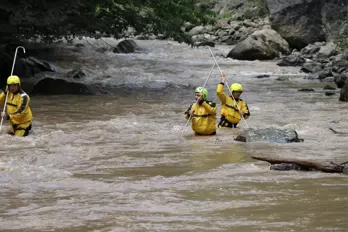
[227, 86]
[13, 65]
[14, 59]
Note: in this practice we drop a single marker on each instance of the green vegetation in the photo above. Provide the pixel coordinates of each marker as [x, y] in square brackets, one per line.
[342, 40]
[53, 19]
[255, 8]
[249, 9]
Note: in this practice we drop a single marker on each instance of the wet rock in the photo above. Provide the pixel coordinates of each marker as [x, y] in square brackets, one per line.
[261, 45]
[328, 80]
[37, 65]
[340, 79]
[291, 60]
[241, 138]
[310, 76]
[50, 86]
[269, 134]
[311, 67]
[305, 90]
[326, 72]
[262, 76]
[310, 50]
[188, 26]
[329, 93]
[197, 30]
[329, 87]
[288, 167]
[25, 67]
[76, 74]
[326, 51]
[284, 78]
[127, 46]
[344, 92]
[79, 45]
[204, 43]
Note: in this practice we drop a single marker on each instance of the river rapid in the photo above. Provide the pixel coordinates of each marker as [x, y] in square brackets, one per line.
[118, 162]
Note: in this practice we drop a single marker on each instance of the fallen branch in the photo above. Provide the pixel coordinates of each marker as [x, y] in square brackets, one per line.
[305, 164]
[338, 132]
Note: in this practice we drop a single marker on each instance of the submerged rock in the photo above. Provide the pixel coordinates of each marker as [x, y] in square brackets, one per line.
[269, 134]
[288, 167]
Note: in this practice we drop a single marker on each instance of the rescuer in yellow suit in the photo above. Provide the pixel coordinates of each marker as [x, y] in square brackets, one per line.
[17, 107]
[232, 110]
[203, 113]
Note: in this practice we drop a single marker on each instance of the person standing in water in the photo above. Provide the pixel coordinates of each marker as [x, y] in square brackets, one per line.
[232, 110]
[17, 107]
[203, 113]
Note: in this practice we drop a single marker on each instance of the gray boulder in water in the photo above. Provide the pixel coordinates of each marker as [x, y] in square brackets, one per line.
[127, 46]
[269, 134]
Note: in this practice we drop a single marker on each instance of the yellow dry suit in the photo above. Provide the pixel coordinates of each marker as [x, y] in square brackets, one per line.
[19, 112]
[230, 115]
[203, 117]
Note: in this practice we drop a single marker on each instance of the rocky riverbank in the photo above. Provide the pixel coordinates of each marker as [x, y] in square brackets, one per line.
[294, 33]
[299, 33]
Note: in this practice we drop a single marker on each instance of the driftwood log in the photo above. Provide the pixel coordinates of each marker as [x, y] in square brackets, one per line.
[338, 132]
[306, 165]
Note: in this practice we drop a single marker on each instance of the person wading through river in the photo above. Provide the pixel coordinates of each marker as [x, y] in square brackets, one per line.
[233, 108]
[17, 108]
[203, 113]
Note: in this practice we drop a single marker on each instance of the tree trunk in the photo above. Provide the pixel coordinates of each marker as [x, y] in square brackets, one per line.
[307, 164]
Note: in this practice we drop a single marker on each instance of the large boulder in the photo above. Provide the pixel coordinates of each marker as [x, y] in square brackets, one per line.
[263, 44]
[326, 51]
[297, 21]
[25, 67]
[301, 22]
[50, 86]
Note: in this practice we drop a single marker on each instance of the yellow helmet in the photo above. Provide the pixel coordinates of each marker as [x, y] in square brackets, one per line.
[236, 87]
[13, 80]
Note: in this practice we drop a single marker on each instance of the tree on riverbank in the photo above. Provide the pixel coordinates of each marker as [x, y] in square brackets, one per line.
[343, 39]
[51, 19]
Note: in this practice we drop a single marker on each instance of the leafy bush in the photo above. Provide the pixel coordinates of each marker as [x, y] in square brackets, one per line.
[342, 41]
[52, 19]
